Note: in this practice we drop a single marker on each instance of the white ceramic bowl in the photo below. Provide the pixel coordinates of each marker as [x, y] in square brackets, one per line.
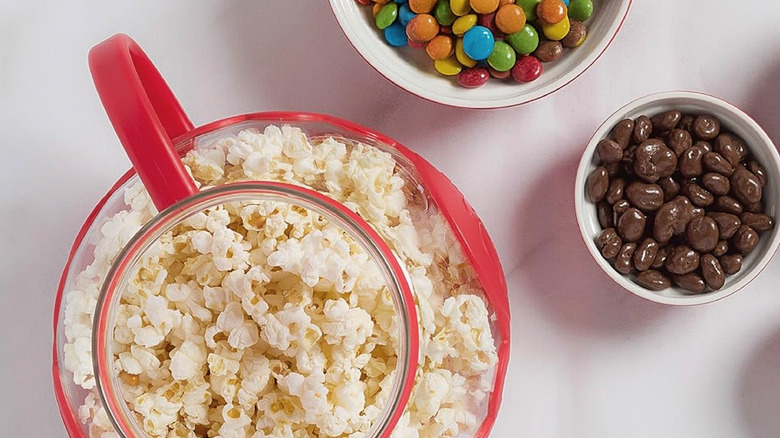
[412, 70]
[732, 119]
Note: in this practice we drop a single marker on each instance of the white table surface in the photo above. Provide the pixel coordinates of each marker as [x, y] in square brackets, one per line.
[588, 359]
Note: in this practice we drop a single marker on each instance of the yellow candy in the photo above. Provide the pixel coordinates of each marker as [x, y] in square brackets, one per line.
[557, 31]
[461, 55]
[448, 67]
[460, 7]
[464, 23]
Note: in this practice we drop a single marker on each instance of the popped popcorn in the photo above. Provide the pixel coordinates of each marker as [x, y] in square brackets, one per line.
[263, 319]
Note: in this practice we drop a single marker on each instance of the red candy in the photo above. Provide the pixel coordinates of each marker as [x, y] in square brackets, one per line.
[489, 21]
[446, 30]
[527, 69]
[499, 74]
[364, 2]
[416, 45]
[473, 77]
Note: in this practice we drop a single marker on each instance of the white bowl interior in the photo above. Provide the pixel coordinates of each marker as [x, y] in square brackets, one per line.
[732, 119]
[412, 70]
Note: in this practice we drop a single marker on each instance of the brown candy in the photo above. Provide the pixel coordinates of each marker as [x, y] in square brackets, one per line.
[671, 188]
[631, 225]
[666, 121]
[615, 191]
[686, 123]
[672, 219]
[624, 262]
[646, 197]
[643, 126]
[682, 260]
[731, 147]
[721, 248]
[660, 258]
[653, 161]
[691, 162]
[706, 127]
[745, 239]
[609, 242]
[702, 234]
[746, 186]
[727, 224]
[604, 210]
[756, 169]
[691, 282]
[712, 272]
[727, 204]
[623, 132]
[698, 196]
[716, 183]
[577, 32]
[597, 184]
[549, 51]
[756, 208]
[653, 280]
[715, 162]
[618, 209]
[609, 151]
[679, 140]
[705, 146]
[645, 254]
[731, 264]
[613, 168]
[759, 222]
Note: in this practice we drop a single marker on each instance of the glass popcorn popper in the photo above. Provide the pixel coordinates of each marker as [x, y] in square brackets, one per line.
[422, 248]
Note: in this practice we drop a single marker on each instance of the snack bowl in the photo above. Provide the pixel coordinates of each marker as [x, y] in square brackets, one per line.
[732, 119]
[413, 71]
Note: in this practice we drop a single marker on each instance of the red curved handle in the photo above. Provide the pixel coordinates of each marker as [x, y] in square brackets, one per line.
[145, 115]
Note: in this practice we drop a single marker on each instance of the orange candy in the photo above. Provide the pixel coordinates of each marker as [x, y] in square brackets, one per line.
[505, 2]
[510, 19]
[421, 6]
[551, 11]
[376, 8]
[422, 28]
[440, 47]
[484, 6]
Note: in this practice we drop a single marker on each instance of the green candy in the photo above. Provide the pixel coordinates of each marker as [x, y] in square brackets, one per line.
[387, 15]
[529, 7]
[525, 41]
[503, 57]
[444, 14]
[580, 10]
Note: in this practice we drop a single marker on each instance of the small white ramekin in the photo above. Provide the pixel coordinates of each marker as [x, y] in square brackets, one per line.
[413, 71]
[733, 119]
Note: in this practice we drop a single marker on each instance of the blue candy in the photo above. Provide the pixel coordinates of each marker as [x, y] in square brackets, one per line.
[407, 1]
[565, 2]
[478, 43]
[395, 35]
[405, 14]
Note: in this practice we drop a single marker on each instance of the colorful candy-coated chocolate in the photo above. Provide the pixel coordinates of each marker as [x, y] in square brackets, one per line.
[387, 15]
[460, 7]
[576, 35]
[395, 35]
[364, 2]
[525, 41]
[464, 23]
[422, 6]
[527, 69]
[566, 2]
[376, 8]
[529, 6]
[500, 75]
[551, 11]
[505, 2]
[405, 14]
[416, 45]
[503, 57]
[422, 28]
[478, 43]
[557, 31]
[441, 47]
[580, 10]
[473, 77]
[401, 2]
[448, 67]
[484, 6]
[461, 55]
[510, 18]
[443, 13]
